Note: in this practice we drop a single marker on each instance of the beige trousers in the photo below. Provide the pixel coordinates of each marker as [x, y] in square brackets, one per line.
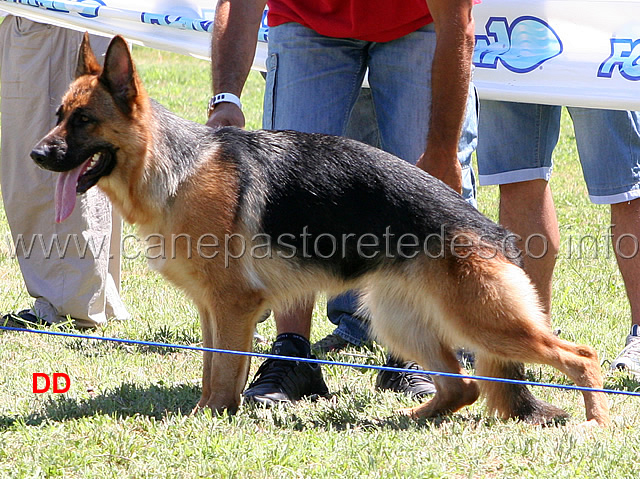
[72, 268]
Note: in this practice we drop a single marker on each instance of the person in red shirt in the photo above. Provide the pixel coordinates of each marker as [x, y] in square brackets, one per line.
[417, 55]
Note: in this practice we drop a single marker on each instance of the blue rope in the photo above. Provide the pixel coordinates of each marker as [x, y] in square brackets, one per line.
[321, 361]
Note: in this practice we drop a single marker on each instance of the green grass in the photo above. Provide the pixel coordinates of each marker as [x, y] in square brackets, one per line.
[127, 414]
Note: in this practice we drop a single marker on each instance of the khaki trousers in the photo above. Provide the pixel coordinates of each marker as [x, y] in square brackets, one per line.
[66, 267]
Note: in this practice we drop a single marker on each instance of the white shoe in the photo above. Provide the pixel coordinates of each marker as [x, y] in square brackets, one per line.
[629, 358]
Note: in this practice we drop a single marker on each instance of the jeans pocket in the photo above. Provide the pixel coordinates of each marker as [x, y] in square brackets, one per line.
[268, 115]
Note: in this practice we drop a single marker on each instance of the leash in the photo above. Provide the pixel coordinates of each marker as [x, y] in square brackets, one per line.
[320, 361]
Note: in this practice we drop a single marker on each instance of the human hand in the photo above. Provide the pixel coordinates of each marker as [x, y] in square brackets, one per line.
[226, 114]
[449, 172]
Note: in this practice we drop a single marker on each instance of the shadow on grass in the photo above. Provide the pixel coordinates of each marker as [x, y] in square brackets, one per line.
[127, 400]
[162, 335]
[347, 409]
[158, 401]
[620, 381]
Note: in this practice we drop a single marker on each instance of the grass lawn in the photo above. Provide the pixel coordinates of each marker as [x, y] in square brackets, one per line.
[127, 414]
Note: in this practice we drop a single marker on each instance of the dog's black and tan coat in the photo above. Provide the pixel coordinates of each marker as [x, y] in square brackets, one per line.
[265, 219]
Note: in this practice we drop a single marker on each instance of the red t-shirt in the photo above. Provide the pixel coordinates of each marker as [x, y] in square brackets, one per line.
[370, 20]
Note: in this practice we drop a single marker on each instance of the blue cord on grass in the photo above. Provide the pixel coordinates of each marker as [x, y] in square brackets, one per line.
[322, 361]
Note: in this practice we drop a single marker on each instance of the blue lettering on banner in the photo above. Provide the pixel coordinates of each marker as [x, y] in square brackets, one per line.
[625, 56]
[176, 21]
[90, 8]
[32, 3]
[520, 47]
[263, 32]
[48, 4]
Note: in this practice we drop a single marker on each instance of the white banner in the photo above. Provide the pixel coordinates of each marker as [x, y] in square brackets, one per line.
[181, 26]
[566, 52]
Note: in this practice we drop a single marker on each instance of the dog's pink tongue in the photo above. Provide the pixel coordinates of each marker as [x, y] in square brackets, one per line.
[66, 193]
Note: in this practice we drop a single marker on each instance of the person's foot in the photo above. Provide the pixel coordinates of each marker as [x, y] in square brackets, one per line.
[331, 343]
[629, 358]
[285, 381]
[23, 319]
[417, 385]
[27, 319]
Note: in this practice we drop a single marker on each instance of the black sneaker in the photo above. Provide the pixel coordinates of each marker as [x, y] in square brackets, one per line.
[417, 385]
[24, 319]
[284, 381]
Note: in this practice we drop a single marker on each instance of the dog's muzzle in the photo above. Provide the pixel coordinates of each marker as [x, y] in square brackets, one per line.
[49, 155]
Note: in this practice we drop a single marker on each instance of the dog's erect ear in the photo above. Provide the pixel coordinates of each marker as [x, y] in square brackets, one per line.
[119, 75]
[87, 62]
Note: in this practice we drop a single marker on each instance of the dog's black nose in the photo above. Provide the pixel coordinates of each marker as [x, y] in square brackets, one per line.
[49, 152]
[40, 154]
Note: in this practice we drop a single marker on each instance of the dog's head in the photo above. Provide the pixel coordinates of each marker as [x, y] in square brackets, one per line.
[97, 111]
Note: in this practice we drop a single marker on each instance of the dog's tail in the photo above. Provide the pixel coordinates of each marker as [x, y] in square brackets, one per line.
[513, 400]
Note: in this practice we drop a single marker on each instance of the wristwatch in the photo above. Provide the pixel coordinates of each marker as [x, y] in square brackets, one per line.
[222, 98]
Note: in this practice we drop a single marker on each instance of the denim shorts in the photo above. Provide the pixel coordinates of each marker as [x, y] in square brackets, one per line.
[313, 82]
[517, 142]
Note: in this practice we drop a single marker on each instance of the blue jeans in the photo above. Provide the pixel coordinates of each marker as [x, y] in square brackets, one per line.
[313, 83]
[518, 139]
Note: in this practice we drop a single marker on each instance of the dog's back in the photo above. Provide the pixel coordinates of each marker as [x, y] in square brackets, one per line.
[348, 206]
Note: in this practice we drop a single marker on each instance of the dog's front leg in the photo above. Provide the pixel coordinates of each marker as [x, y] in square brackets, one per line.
[208, 331]
[224, 375]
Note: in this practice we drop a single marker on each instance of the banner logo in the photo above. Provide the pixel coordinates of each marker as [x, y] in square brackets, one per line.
[625, 57]
[520, 47]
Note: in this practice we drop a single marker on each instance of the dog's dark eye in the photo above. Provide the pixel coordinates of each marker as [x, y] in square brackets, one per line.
[82, 119]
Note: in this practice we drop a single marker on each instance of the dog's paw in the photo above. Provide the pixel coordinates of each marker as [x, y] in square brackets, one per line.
[408, 412]
[214, 407]
[595, 423]
[425, 410]
[541, 413]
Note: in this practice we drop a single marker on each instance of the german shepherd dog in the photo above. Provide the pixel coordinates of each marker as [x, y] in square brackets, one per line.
[291, 214]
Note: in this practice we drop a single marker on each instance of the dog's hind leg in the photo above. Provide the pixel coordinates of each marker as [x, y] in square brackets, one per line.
[578, 362]
[510, 400]
[504, 323]
[402, 327]
[452, 394]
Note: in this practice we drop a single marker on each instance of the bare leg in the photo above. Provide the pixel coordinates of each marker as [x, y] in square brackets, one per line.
[626, 236]
[527, 209]
[297, 319]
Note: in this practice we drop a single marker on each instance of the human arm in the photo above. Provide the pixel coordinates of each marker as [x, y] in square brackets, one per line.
[233, 46]
[450, 77]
